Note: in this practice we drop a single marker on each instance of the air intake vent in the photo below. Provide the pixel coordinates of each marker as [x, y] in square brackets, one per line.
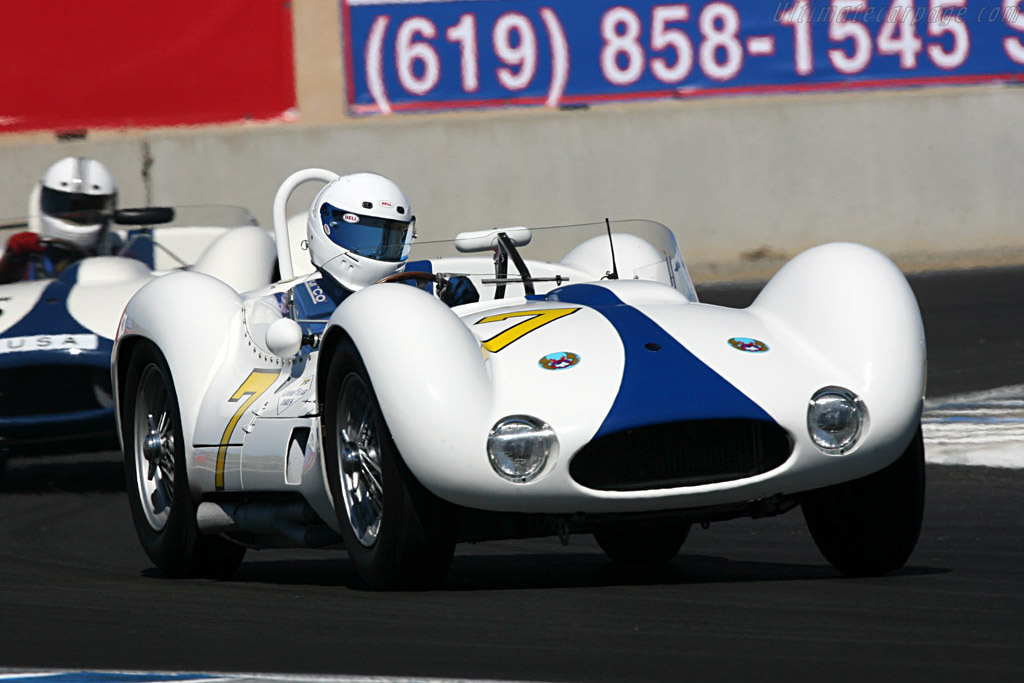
[52, 389]
[677, 454]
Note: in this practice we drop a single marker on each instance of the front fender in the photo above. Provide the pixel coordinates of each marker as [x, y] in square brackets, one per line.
[852, 308]
[427, 370]
[189, 317]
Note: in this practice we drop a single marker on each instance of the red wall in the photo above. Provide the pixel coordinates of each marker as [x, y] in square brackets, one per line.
[70, 65]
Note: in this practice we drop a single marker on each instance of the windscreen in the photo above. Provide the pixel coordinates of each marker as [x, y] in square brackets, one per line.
[644, 250]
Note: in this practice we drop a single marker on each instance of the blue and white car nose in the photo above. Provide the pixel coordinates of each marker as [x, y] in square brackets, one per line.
[52, 368]
[44, 312]
[662, 381]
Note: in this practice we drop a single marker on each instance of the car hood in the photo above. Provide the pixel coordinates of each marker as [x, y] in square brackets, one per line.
[17, 299]
[87, 297]
[630, 354]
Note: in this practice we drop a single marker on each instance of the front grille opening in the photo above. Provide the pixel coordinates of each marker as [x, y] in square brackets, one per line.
[690, 453]
[53, 390]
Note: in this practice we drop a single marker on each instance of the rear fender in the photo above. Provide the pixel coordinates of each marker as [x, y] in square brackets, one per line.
[103, 287]
[243, 257]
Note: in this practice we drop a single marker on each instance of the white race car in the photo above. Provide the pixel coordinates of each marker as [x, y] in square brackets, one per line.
[57, 328]
[588, 391]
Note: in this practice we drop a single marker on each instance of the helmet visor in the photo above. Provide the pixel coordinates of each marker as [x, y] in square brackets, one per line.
[76, 207]
[381, 239]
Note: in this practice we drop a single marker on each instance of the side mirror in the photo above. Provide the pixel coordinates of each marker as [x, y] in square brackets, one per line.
[486, 240]
[284, 338]
[150, 215]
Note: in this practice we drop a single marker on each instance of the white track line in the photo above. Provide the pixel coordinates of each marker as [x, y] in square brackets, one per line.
[109, 676]
[980, 428]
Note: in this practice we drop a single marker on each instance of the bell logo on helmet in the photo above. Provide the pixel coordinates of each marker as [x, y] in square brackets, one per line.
[386, 203]
[350, 218]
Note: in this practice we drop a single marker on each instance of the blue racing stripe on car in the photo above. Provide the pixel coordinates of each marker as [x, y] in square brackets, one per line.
[662, 381]
[50, 318]
[50, 314]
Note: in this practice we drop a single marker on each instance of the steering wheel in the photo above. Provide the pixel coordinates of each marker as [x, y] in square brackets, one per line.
[53, 267]
[418, 275]
[66, 244]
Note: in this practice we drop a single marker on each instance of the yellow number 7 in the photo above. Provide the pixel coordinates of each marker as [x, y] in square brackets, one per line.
[534, 320]
[253, 387]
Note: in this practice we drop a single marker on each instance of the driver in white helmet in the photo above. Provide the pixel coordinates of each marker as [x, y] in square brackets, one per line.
[359, 230]
[70, 210]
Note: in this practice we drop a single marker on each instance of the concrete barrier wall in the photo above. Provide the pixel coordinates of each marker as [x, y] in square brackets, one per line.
[931, 175]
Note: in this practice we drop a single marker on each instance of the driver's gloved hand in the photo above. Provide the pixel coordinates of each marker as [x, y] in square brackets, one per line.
[25, 243]
[457, 290]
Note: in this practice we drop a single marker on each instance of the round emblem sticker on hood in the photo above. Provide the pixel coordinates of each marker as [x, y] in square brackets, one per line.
[747, 344]
[559, 361]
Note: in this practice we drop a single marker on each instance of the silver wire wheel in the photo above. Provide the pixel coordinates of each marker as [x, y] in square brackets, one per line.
[359, 459]
[153, 446]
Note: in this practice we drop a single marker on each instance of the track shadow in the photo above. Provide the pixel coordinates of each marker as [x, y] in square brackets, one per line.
[555, 570]
[93, 473]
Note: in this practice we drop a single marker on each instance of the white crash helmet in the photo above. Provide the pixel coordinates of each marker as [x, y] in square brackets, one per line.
[359, 229]
[76, 198]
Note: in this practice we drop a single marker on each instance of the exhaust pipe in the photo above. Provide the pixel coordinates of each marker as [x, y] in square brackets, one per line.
[294, 522]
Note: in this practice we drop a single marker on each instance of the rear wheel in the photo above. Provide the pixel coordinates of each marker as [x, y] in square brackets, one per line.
[398, 534]
[157, 481]
[642, 544]
[869, 526]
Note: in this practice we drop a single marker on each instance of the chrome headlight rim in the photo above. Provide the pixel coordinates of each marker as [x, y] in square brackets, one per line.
[539, 431]
[860, 412]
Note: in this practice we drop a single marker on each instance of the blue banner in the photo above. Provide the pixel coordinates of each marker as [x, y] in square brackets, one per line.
[416, 55]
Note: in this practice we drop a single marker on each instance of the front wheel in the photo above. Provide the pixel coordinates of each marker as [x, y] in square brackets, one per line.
[156, 479]
[398, 534]
[869, 526]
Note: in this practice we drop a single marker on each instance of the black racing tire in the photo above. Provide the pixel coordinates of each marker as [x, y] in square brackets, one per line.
[642, 544]
[869, 526]
[161, 503]
[398, 534]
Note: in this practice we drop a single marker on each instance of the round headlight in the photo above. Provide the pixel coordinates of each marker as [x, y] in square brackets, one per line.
[835, 419]
[519, 446]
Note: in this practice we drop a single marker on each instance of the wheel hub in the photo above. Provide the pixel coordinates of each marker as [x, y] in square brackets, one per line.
[359, 462]
[154, 448]
[351, 455]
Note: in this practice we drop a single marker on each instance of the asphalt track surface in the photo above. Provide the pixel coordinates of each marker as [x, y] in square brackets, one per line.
[745, 600]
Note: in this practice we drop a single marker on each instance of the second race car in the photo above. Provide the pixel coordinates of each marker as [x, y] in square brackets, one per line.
[57, 324]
